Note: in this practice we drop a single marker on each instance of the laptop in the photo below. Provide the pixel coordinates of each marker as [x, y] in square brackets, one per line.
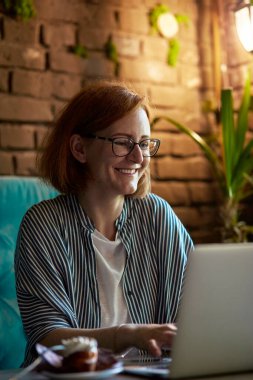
[215, 318]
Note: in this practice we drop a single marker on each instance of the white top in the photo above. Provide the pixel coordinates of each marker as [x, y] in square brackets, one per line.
[110, 261]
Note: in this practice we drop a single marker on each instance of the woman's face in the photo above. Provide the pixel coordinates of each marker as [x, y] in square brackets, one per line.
[114, 175]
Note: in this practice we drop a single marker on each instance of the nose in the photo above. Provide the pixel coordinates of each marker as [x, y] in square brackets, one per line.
[136, 154]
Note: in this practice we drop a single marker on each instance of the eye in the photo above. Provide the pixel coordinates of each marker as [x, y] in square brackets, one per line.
[122, 142]
[145, 144]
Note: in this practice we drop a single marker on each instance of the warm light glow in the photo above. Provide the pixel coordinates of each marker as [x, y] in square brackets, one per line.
[244, 26]
[167, 25]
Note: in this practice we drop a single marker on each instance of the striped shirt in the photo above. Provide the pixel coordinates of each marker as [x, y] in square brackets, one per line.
[55, 265]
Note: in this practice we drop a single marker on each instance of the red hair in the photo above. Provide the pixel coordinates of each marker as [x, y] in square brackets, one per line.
[95, 107]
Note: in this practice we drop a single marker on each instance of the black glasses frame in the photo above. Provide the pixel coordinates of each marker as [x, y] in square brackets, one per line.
[112, 139]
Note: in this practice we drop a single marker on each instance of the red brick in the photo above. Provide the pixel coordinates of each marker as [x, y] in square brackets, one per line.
[21, 32]
[67, 62]
[187, 34]
[41, 134]
[58, 105]
[61, 10]
[65, 86]
[176, 144]
[191, 77]
[17, 108]
[162, 124]
[102, 16]
[153, 170]
[22, 56]
[59, 34]
[175, 193]
[155, 47]
[203, 192]
[237, 77]
[148, 70]
[189, 54]
[26, 163]
[134, 20]
[194, 217]
[127, 46]
[4, 80]
[6, 163]
[193, 120]
[178, 97]
[33, 83]
[205, 235]
[93, 38]
[17, 136]
[183, 145]
[181, 168]
[99, 66]
[189, 8]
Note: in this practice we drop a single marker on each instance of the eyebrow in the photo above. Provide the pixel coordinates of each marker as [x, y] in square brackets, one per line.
[130, 136]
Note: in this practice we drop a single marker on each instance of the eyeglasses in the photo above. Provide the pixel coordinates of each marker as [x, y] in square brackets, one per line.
[122, 146]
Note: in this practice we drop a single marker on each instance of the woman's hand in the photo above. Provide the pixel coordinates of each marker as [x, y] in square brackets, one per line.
[150, 337]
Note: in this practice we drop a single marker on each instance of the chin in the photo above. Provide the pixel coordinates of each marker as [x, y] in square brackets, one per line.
[127, 188]
[130, 191]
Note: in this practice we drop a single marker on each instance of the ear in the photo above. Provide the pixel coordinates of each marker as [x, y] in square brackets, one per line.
[77, 148]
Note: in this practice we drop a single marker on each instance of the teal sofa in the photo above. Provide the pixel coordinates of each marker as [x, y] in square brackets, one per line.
[17, 194]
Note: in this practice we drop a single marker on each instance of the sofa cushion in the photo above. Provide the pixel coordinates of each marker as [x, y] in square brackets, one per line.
[17, 194]
[12, 349]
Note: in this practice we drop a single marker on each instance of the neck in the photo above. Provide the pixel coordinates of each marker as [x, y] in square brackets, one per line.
[103, 212]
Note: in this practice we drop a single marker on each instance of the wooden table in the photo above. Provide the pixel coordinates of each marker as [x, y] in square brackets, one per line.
[7, 374]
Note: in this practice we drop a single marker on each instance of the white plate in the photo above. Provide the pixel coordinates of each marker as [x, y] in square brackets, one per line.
[85, 375]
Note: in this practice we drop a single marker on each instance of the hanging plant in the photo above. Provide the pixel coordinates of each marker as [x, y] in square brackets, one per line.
[23, 9]
[162, 21]
[173, 53]
[111, 53]
[80, 50]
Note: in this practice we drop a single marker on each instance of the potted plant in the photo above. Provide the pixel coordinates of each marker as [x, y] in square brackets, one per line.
[232, 161]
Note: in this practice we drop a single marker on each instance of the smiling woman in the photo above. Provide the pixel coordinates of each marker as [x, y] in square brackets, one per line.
[106, 258]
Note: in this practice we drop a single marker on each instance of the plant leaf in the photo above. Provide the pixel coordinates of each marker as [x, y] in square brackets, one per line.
[228, 136]
[209, 153]
[242, 120]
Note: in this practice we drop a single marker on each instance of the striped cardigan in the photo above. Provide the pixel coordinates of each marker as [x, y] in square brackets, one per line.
[56, 268]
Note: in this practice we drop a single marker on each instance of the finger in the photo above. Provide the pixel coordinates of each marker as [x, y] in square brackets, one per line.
[171, 326]
[154, 348]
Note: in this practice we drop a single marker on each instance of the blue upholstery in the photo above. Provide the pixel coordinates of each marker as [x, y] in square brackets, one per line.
[17, 194]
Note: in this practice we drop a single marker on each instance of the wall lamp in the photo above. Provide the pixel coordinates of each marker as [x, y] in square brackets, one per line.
[244, 23]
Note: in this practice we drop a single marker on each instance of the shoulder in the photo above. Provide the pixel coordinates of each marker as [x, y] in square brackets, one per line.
[159, 212]
[152, 202]
[46, 210]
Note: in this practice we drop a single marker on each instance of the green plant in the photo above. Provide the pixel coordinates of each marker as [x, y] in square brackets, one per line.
[23, 9]
[111, 53]
[231, 160]
[173, 43]
[80, 50]
[154, 14]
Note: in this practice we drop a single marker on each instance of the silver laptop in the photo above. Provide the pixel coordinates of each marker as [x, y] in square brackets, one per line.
[215, 320]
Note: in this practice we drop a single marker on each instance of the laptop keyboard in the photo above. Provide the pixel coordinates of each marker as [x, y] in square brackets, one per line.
[147, 366]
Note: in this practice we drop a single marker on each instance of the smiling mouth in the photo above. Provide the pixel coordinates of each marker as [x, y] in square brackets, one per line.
[127, 171]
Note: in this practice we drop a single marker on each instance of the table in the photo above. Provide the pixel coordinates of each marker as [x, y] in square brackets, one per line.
[7, 374]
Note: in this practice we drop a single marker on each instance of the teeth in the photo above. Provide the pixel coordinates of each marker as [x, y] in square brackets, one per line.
[127, 171]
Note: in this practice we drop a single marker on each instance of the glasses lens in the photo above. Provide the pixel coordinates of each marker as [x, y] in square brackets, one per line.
[122, 146]
[149, 147]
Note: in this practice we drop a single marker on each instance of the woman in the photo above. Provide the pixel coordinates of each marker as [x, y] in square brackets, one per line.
[106, 258]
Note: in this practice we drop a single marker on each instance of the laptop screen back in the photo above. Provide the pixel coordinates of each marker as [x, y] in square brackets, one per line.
[215, 321]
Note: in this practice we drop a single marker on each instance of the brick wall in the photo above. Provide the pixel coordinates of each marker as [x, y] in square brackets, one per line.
[39, 72]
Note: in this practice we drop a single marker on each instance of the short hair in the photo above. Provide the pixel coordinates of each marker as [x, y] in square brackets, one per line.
[95, 107]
